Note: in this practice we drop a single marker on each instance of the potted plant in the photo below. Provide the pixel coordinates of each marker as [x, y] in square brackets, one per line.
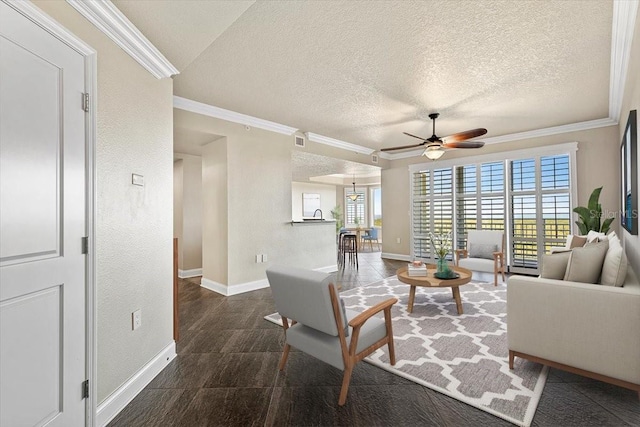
[336, 213]
[591, 215]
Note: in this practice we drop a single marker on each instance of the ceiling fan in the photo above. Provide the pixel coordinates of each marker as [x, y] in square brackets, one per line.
[435, 145]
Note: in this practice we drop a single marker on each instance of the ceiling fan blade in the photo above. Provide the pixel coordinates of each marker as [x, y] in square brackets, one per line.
[469, 144]
[419, 137]
[402, 148]
[463, 136]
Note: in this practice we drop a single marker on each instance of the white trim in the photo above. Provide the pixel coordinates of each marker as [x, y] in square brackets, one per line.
[624, 19]
[33, 13]
[328, 269]
[547, 150]
[398, 257]
[124, 394]
[108, 19]
[230, 116]
[194, 272]
[225, 290]
[44, 21]
[339, 144]
[555, 130]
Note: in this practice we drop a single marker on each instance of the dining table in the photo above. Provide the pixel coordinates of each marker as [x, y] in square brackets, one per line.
[358, 231]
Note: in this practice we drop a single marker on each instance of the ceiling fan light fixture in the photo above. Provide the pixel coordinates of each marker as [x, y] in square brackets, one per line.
[433, 152]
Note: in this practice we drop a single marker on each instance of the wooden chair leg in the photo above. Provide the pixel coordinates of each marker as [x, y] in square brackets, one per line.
[495, 277]
[285, 355]
[346, 379]
[511, 358]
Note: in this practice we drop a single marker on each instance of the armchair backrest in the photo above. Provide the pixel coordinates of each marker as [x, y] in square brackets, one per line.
[486, 237]
[373, 233]
[303, 295]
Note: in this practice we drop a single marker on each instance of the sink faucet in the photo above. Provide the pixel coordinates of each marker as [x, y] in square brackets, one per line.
[316, 211]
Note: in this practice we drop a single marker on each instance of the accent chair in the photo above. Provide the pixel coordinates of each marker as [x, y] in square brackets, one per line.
[315, 321]
[484, 252]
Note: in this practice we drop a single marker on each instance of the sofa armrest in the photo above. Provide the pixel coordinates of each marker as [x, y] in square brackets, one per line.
[591, 327]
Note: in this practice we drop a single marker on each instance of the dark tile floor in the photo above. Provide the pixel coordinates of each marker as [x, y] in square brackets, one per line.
[226, 374]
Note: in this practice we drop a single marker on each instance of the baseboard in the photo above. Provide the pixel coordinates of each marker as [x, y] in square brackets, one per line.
[398, 257]
[249, 286]
[328, 269]
[233, 289]
[194, 272]
[119, 399]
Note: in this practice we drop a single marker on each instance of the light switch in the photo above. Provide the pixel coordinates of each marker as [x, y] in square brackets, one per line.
[137, 179]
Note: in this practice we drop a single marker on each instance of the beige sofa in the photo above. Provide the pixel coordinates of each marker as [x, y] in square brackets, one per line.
[592, 330]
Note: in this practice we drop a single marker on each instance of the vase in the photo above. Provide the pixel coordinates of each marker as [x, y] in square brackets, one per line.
[442, 267]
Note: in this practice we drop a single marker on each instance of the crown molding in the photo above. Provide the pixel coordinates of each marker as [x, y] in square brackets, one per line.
[623, 26]
[339, 144]
[108, 19]
[554, 130]
[230, 116]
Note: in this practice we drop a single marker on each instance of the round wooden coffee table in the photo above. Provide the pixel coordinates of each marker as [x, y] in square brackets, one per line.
[430, 281]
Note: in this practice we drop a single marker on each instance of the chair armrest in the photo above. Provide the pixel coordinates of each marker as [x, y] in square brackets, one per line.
[359, 320]
[461, 253]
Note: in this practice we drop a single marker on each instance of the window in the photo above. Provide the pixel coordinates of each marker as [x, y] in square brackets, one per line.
[354, 210]
[528, 195]
[376, 208]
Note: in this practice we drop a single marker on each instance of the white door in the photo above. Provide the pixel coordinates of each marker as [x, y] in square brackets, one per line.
[42, 222]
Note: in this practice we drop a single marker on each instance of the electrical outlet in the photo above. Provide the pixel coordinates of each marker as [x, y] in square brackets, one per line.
[264, 258]
[398, 240]
[136, 319]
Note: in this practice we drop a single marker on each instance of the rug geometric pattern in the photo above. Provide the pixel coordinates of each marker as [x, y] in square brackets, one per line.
[463, 356]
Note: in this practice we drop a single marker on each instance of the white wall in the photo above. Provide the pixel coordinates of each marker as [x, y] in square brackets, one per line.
[190, 211]
[133, 224]
[215, 207]
[247, 194]
[327, 198]
[178, 184]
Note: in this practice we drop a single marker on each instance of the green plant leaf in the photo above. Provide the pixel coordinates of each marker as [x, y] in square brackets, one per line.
[584, 214]
[582, 227]
[593, 199]
[605, 225]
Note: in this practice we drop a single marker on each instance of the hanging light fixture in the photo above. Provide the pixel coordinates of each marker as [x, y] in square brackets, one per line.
[433, 152]
[353, 196]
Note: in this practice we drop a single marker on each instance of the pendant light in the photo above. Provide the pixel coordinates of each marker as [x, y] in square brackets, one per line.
[353, 196]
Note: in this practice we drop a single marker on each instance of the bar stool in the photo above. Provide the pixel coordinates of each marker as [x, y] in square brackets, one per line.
[350, 246]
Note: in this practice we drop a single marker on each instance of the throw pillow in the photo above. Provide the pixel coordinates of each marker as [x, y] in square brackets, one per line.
[576, 241]
[594, 236]
[555, 265]
[585, 263]
[478, 250]
[614, 268]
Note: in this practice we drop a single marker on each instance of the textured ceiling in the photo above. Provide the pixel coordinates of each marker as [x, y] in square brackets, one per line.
[364, 72]
[181, 30]
[308, 165]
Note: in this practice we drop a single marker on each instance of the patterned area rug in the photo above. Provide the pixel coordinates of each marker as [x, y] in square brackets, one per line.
[463, 356]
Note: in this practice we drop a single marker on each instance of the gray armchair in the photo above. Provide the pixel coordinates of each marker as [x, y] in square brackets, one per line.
[485, 252]
[321, 326]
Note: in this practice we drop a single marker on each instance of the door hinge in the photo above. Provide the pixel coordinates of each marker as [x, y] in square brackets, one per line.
[85, 389]
[85, 102]
[85, 245]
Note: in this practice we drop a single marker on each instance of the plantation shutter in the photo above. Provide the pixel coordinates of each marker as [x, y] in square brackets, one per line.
[556, 205]
[421, 217]
[524, 214]
[492, 200]
[466, 203]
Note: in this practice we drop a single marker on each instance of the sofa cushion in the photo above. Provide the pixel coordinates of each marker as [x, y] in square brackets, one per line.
[479, 250]
[585, 264]
[554, 265]
[614, 268]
